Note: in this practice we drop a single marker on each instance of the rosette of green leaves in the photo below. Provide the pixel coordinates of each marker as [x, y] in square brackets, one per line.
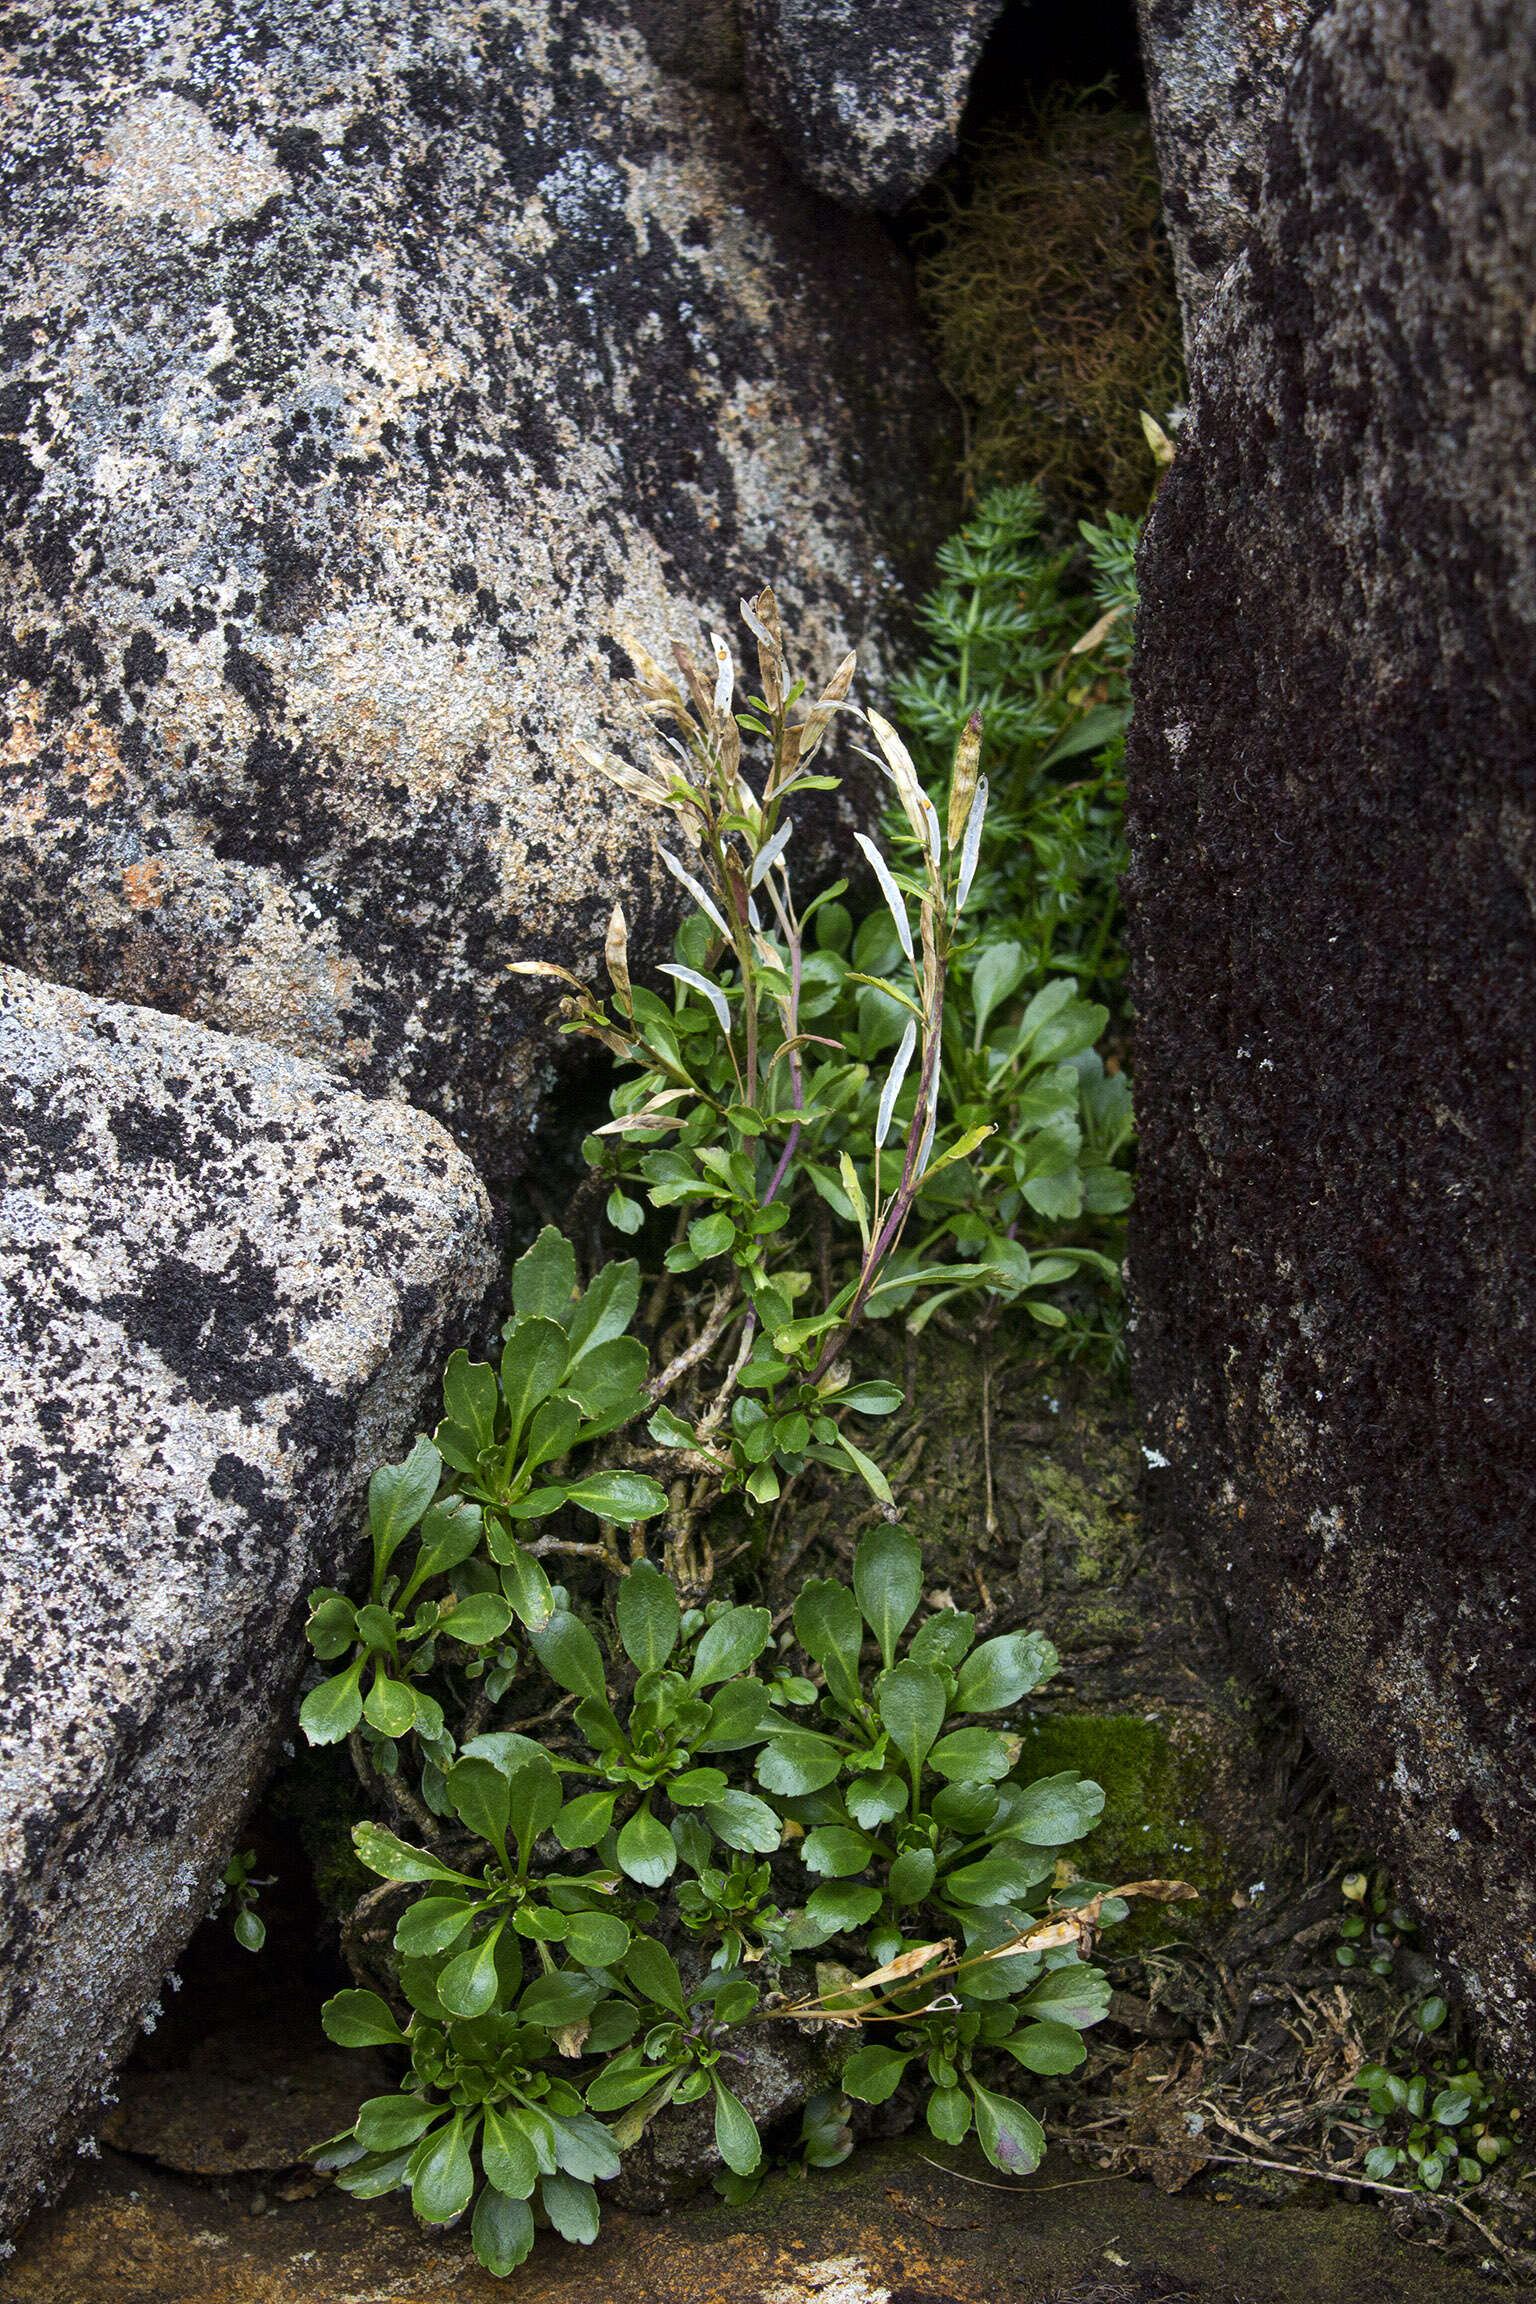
[475, 2119]
[1039, 2029]
[655, 1753]
[686, 2054]
[569, 1374]
[901, 1791]
[462, 1947]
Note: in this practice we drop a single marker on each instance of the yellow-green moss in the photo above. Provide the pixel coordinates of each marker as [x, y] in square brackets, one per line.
[1158, 1791]
[1047, 283]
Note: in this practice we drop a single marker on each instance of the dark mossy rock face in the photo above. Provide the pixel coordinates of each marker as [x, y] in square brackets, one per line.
[367, 374]
[865, 96]
[1333, 891]
[1216, 80]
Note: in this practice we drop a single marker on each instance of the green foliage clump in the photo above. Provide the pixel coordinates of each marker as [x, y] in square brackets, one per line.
[836, 1120]
[1440, 2124]
[1046, 280]
[817, 1800]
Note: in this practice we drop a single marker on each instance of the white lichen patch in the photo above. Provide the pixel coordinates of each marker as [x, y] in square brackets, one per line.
[163, 157]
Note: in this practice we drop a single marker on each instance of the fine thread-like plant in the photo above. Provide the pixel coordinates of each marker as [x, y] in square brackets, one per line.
[1045, 278]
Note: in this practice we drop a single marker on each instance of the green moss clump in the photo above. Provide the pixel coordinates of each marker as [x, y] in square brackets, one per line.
[1047, 282]
[1156, 1791]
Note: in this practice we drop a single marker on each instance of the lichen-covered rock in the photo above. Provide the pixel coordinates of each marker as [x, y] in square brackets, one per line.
[368, 373]
[1333, 894]
[226, 1281]
[865, 96]
[1217, 72]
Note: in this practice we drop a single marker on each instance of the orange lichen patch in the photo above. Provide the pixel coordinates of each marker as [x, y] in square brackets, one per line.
[141, 884]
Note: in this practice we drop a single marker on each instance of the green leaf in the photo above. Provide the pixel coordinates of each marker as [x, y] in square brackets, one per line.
[609, 1376]
[874, 1800]
[544, 1280]
[392, 1859]
[450, 1532]
[1097, 727]
[1000, 1671]
[583, 1821]
[389, 1706]
[943, 1639]
[888, 1581]
[553, 2001]
[797, 1760]
[712, 1235]
[949, 2115]
[507, 2157]
[432, 1924]
[467, 1985]
[1012, 2139]
[730, 1644]
[479, 1618]
[441, 2176]
[999, 971]
[973, 1755]
[967, 1810]
[386, 2123]
[624, 1214]
[911, 1876]
[398, 1494]
[830, 1629]
[597, 1939]
[695, 1786]
[332, 1626]
[552, 1431]
[607, 1308]
[647, 1850]
[570, 1655]
[842, 1904]
[653, 1972]
[571, 2207]
[745, 1822]
[871, 1399]
[836, 1851]
[736, 1717]
[478, 1791]
[618, 1495]
[360, 2020]
[648, 1616]
[330, 1712]
[1047, 2048]
[736, 2136]
[584, 2148]
[526, 1586]
[534, 1800]
[532, 1364]
[912, 1704]
[1055, 1809]
[865, 1466]
[501, 2230]
[372, 2177]
[873, 2074]
[1001, 1878]
[1075, 1995]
